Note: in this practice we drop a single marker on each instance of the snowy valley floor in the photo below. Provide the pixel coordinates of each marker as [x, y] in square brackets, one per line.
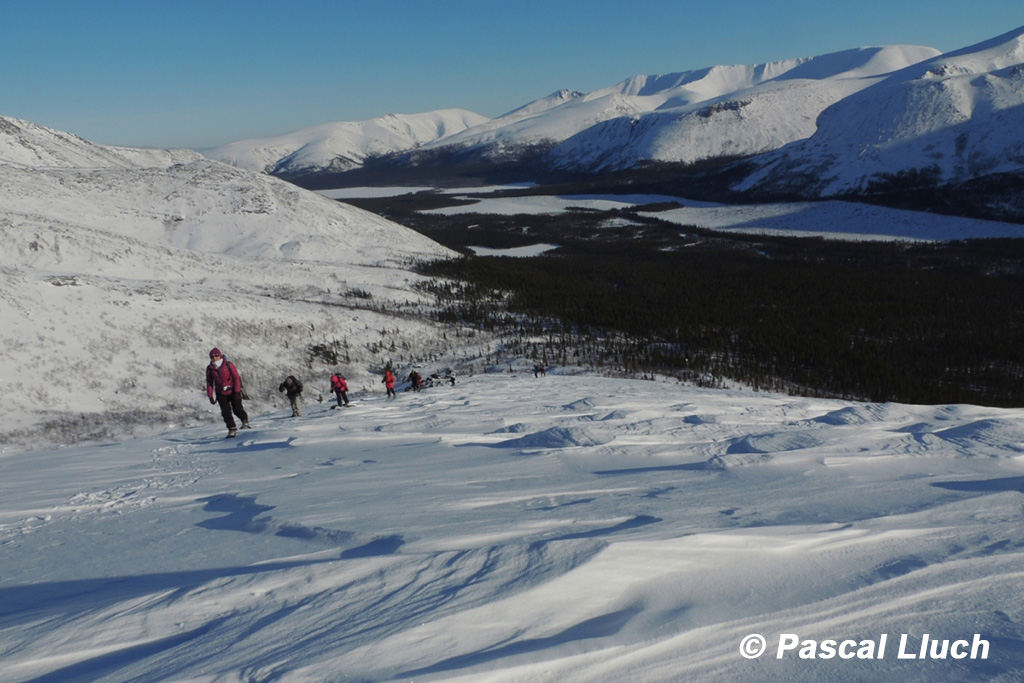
[567, 528]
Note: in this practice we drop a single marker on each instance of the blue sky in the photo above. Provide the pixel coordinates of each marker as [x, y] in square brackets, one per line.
[198, 73]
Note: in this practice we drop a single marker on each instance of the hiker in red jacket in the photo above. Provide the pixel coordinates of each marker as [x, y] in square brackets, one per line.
[340, 388]
[389, 382]
[224, 386]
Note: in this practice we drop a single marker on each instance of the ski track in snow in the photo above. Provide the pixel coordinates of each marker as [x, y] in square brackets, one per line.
[568, 528]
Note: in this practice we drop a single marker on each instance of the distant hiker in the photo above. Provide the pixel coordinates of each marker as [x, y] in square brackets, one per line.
[389, 382]
[340, 388]
[540, 370]
[293, 387]
[415, 380]
[224, 386]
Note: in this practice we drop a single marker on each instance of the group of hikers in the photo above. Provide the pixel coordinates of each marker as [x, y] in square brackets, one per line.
[224, 387]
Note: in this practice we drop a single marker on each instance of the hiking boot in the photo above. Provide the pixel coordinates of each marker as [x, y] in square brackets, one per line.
[231, 433]
[245, 425]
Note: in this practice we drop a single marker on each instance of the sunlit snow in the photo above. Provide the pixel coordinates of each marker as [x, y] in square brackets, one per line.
[513, 528]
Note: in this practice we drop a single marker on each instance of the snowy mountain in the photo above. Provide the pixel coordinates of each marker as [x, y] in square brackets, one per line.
[342, 146]
[876, 119]
[690, 116]
[950, 119]
[680, 117]
[123, 267]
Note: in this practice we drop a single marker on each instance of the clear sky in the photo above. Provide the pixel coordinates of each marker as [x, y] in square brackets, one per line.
[199, 73]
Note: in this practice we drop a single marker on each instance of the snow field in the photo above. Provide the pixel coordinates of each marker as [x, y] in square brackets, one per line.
[568, 528]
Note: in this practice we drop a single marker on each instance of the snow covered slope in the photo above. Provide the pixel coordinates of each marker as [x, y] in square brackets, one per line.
[123, 267]
[687, 116]
[681, 117]
[731, 111]
[866, 119]
[24, 143]
[512, 529]
[948, 119]
[343, 146]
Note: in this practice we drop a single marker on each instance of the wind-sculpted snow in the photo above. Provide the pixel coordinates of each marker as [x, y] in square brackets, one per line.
[410, 539]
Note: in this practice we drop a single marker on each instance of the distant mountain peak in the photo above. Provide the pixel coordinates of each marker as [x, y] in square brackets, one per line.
[951, 118]
[343, 145]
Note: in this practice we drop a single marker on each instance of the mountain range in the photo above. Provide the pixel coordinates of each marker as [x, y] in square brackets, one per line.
[875, 120]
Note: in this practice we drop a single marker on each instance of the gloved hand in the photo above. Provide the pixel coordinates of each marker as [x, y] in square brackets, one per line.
[213, 401]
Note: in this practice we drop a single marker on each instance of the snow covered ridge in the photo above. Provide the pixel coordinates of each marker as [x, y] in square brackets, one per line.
[955, 117]
[828, 125]
[780, 99]
[123, 267]
[24, 143]
[509, 529]
[344, 145]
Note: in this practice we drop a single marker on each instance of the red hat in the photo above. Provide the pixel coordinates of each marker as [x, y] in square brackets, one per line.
[215, 352]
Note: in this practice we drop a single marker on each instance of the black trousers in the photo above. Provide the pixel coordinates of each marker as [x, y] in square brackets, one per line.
[229, 404]
[342, 396]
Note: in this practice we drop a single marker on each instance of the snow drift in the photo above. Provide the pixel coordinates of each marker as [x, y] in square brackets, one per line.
[393, 541]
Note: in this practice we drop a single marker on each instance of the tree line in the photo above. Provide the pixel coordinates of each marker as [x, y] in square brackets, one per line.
[913, 323]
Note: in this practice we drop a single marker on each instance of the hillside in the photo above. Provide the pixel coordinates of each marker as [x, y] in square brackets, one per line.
[564, 529]
[124, 267]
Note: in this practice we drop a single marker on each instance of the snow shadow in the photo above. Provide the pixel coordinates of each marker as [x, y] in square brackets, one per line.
[604, 626]
[553, 437]
[632, 523]
[107, 665]
[243, 514]
[379, 547]
[772, 443]
[264, 445]
[897, 567]
[551, 508]
[32, 602]
[711, 465]
[984, 485]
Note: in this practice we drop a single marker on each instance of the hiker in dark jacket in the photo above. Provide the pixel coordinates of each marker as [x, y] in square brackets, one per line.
[224, 386]
[293, 389]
